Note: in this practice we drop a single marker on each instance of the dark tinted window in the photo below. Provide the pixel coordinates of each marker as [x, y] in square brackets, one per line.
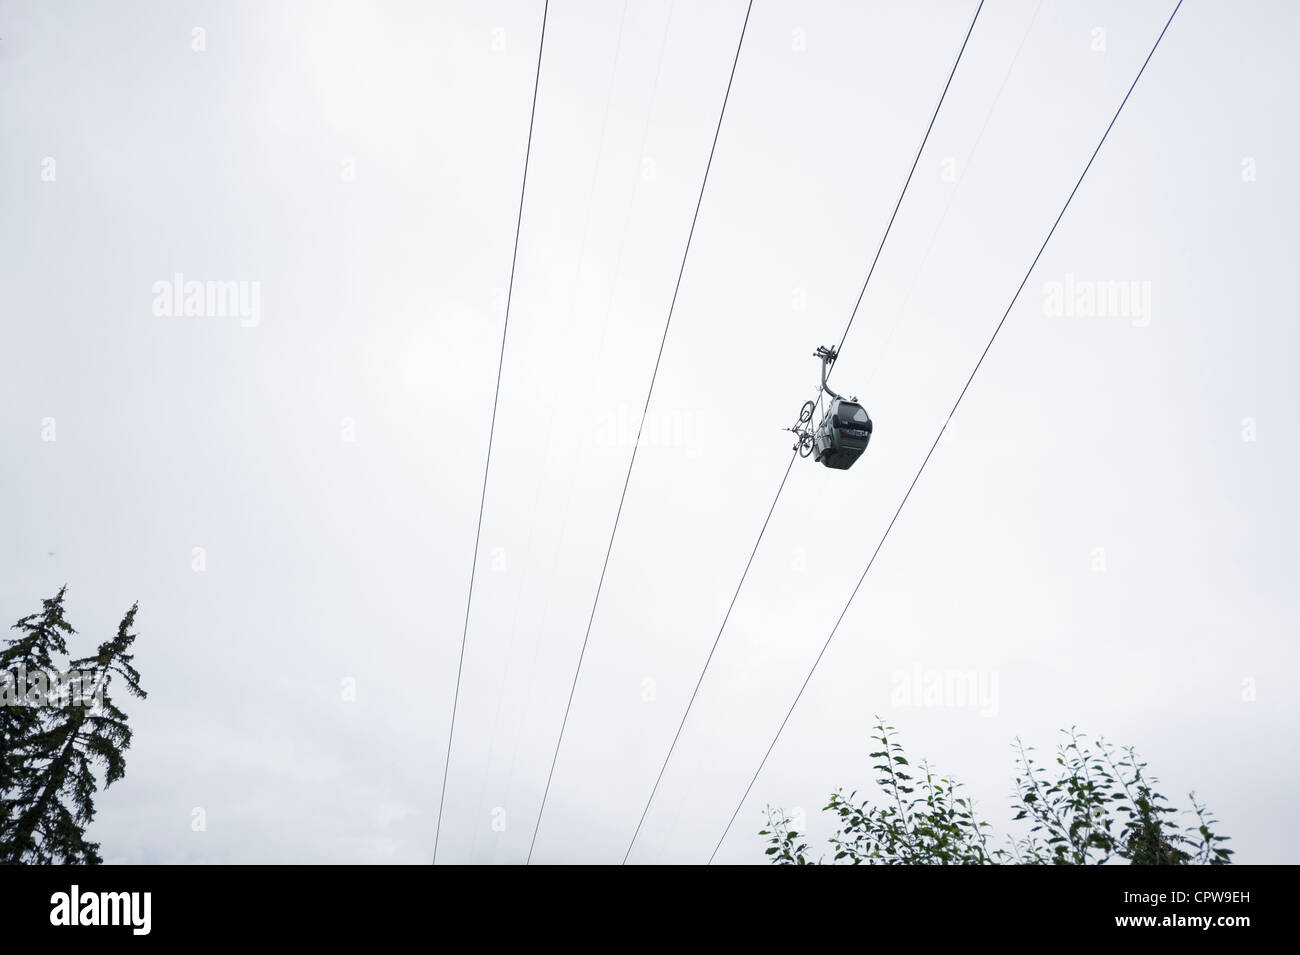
[852, 415]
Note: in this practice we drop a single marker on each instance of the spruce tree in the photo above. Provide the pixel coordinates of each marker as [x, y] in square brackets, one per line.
[50, 779]
[42, 639]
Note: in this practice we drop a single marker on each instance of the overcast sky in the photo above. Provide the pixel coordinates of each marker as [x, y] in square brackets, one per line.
[1105, 536]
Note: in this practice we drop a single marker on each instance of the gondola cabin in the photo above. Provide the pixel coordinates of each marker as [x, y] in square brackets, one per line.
[843, 434]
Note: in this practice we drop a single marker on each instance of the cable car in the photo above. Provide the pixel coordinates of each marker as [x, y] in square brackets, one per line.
[843, 434]
[844, 431]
